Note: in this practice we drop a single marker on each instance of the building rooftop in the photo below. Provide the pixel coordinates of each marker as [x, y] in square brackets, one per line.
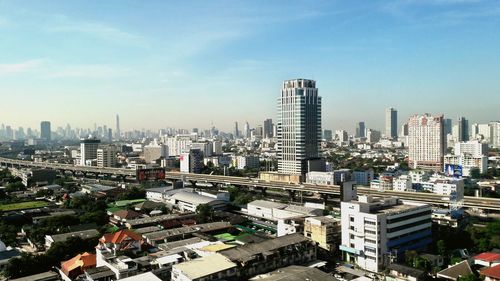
[204, 266]
[44, 276]
[158, 219]
[100, 272]
[489, 257]
[492, 272]
[160, 235]
[175, 244]
[84, 260]
[85, 234]
[194, 198]
[410, 271]
[295, 273]
[456, 271]
[249, 251]
[267, 204]
[120, 236]
[148, 276]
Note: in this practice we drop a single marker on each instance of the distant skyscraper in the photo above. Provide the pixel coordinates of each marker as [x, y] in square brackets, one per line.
[268, 128]
[463, 129]
[327, 135]
[391, 123]
[299, 125]
[360, 130]
[118, 133]
[45, 132]
[246, 130]
[236, 132]
[426, 142]
[448, 124]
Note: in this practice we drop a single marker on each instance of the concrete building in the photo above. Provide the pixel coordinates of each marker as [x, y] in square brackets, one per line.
[363, 177]
[463, 129]
[377, 231]
[402, 183]
[211, 267]
[342, 135]
[268, 128]
[247, 162]
[360, 129]
[299, 125]
[372, 136]
[327, 135]
[189, 201]
[155, 151]
[106, 156]
[494, 134]
[192, 161]
[391, 123]
[45, 131]
[323, 230]
[426, 142]
[468, 163]
[88, 151]
[321, 178]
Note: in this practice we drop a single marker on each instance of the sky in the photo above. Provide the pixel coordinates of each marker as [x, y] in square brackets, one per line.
[187, 64]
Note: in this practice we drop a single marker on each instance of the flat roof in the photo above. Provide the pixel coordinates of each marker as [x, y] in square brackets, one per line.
[267, 204]
[148, 276]
[160, 218]
[160, 235]
[249, 251]
[82, 234]
[204, 266]
[295, 273]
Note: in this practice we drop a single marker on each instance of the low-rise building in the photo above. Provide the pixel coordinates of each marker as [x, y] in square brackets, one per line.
[323, 230]
[86, 234]
[77, 265]
[211, 267]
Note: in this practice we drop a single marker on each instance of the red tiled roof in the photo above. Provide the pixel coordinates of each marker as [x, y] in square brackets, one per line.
[120, 236]
[493, 272]
[81, 261]
[487, 256]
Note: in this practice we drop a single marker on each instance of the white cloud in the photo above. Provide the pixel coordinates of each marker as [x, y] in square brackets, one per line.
[64, 24]
[87, 71]
[20, 67]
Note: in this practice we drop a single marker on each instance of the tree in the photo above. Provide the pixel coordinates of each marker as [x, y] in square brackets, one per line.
[441, 247]
[469, 277]
[204, 213]
[475, 173]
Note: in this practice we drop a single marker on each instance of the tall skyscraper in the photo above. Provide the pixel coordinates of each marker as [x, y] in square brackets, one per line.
[236, 130]
[246, 130]
[463, 129]
[360, 130]
[45, 132]
[268, 128]
[426, 142]
[299, 125]
[448, 125]
[118, 133]
[391, 123]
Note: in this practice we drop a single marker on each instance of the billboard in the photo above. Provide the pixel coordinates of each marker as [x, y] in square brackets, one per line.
[151, 174]
[452, 170]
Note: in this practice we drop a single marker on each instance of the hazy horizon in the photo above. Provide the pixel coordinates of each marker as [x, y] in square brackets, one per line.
[187, 65]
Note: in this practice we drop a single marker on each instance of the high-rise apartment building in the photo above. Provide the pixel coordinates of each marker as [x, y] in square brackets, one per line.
[377, 231]
[360, 130]
[426, 142]
[448, 125]
[299, 125]
[118, 133]
[45, 132]
[495, 134]
[236, 132]
[88, 150]
[246, 130]
[192, 161]
[391, 123]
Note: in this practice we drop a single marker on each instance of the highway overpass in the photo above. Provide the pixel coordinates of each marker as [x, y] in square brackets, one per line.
[490, 204]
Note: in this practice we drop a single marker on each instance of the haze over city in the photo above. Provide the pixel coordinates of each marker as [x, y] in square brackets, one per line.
[194, 64]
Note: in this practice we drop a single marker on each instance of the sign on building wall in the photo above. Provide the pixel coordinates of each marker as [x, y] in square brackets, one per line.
[150, 174]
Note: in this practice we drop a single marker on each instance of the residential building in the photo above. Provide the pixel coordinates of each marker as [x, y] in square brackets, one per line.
[402, 183]
[251, 259]
[321, 178]
[324, 230]
[399, 272]
[155, 151]
[491, 273]
[299, 125]
[88, 151]
[85, 234]
[192, 161]
[342, 135]
[455, 272]
[77, 265]
[426, 142]
[294, 273]
[106, 156]
[372, 136]
[376, 231]
[247, 162]
[391, 123]
[211, 267]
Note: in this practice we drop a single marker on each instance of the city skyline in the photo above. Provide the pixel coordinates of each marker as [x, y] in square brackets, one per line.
[436, 55]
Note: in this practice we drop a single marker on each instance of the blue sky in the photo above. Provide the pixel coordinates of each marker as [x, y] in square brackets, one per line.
[190, 63]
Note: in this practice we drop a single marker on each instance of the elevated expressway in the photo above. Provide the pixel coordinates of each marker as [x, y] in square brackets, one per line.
[490, 204]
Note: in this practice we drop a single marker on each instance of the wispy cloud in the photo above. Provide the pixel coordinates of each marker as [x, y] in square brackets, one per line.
[64, 24]
[20, 67]
[87, 71]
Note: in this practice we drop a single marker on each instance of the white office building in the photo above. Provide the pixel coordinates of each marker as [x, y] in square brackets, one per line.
[88, 151]
[155, 151]
[426, 142]
[299, 125]
[376, 231]
[321, 178]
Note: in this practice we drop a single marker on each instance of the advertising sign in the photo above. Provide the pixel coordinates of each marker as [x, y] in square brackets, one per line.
[150, 174]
